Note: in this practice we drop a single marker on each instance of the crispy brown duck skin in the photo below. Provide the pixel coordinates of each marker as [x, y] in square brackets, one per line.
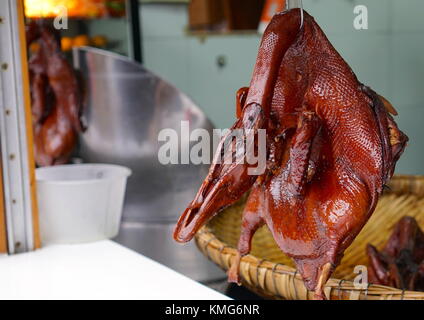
[332, 146]
[55, 97]
[401, 262]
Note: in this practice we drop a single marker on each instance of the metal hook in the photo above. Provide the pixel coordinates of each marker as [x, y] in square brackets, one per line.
[293, 4]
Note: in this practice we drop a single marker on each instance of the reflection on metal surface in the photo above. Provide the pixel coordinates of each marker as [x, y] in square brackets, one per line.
[126, 108]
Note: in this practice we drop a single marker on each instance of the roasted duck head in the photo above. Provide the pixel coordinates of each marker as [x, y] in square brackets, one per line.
[331, 147]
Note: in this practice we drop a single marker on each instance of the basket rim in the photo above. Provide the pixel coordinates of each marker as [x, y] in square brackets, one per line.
[211, 242]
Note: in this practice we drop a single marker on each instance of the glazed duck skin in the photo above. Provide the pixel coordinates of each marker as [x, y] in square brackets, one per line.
[225, 184]
[56, 99]
[332, 146]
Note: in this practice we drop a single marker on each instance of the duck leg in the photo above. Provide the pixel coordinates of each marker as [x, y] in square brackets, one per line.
[252, 220]
[325, 274]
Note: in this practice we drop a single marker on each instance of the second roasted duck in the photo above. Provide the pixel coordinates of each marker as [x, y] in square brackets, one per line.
[56, 99]
[331, 148]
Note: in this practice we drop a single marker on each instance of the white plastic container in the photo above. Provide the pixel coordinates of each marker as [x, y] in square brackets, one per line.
[80, 203]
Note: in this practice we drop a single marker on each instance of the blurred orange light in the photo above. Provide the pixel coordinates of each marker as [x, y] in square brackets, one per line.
[75, 8]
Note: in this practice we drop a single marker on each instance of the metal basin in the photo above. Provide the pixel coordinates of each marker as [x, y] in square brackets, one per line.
[125, 109]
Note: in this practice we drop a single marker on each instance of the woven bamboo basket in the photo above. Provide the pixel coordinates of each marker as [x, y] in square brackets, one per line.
[271, 274]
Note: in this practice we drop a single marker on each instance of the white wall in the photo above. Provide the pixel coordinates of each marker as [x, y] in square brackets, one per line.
[389, 57]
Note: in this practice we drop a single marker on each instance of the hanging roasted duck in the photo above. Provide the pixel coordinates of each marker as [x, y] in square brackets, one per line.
[55, 98]
[331, 148]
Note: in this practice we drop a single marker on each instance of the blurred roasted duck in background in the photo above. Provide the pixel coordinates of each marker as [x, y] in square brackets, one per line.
[331, 148]
[401, 262]
[55, 98]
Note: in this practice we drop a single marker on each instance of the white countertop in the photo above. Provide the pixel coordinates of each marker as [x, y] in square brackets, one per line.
[100, 270]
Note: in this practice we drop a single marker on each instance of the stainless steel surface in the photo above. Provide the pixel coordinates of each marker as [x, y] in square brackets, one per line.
[155, 241]
[126, 108]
